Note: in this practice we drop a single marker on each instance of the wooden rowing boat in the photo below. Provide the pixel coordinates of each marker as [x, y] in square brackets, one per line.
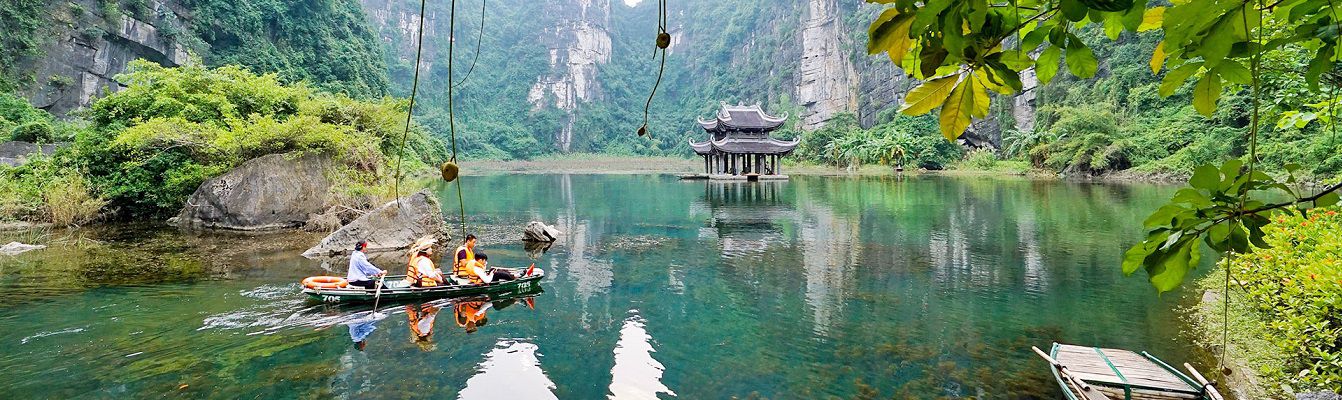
[396, 288]
[1093, 373]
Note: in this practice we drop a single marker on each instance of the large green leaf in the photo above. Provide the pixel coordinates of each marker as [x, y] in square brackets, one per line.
[929, 95]
[1073, 10]
[880, 35]
[1206, 177]
[1176, 77]
[1327, 200]
[1046, 66]
[1234, 72]
[1169, 272]
[1080, 60]
[1206, 93]
[956, 113]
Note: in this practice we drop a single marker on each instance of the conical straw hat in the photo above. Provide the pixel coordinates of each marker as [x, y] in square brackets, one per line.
[423, 243]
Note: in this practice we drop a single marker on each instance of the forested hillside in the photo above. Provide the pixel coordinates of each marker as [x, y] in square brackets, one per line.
[63, 55]
[564, 76]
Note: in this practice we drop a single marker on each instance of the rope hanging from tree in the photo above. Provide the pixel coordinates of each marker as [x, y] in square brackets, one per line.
[449, 169]
[478, 39]
[663, 42]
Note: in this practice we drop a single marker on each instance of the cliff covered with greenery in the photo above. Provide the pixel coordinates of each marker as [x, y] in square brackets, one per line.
[148, 147]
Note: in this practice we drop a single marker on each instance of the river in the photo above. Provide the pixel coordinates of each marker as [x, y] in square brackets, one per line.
[851, 287]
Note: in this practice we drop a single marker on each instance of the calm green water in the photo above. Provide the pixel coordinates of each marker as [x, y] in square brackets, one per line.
[819, 287]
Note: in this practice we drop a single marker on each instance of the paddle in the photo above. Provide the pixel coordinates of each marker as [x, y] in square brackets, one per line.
[377, 296]
[1086, 390]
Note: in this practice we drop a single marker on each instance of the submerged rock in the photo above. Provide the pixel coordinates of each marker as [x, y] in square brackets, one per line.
[268, 192]
[537, 231]
[15, 153]
[14, 248]
[394, 225]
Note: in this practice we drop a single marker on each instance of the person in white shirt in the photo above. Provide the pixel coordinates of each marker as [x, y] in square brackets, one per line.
[420, 271]
[361, 272]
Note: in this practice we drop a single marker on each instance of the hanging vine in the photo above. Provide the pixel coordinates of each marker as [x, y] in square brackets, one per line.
[663, 42]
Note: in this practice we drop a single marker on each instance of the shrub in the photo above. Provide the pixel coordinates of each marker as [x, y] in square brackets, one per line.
[980, 159]
[33, 132]
[1295, 287]
[155, 142]
[69, 202]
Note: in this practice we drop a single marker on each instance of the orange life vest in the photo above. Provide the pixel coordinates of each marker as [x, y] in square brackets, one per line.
[412, 273]
[465, 267]
[466, 312]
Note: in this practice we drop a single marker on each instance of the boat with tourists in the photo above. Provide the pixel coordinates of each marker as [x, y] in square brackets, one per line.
[1094, 373]
[396, 287]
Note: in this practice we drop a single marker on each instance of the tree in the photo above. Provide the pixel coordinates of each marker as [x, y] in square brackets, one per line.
[965, 49]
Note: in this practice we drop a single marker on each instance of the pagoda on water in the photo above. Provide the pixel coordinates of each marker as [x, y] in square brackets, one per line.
[739, 145]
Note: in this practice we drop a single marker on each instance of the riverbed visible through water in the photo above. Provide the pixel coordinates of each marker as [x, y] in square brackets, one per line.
[818, 287]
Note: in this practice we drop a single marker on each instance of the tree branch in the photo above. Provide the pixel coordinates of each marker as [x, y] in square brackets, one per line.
[1269, 207]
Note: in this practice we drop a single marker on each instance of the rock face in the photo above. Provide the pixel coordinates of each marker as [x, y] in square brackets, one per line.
[16, 153]
[268, 192]
[578, 43]
[537, 231]
[394, 225]
[85, 50]
[826, 80]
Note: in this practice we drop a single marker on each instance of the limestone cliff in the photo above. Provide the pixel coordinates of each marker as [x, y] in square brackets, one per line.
[86, 49]
[578, 43]
[826, 81]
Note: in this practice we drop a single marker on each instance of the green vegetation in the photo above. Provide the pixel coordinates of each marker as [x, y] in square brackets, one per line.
[325, 42]
[901, 142]
[20, 121]
[1287, 319]
[20, 21]
[152, 144]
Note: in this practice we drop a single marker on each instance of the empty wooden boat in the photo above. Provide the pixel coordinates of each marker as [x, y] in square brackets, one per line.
[1093, 373]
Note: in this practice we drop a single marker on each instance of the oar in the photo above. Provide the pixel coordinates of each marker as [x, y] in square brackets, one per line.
[1086, 390]
[1207, 387]
[377, 296]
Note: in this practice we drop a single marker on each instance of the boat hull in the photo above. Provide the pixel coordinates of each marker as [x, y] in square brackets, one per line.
[523, 285]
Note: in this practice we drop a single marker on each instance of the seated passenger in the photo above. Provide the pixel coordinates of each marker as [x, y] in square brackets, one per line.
[420, 271]
[490, 275]
[463, 265]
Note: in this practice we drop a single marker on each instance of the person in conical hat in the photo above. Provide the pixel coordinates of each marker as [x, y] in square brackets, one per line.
[420, 271]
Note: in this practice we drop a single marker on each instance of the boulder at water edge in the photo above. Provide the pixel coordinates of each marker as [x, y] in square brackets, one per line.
[537, 231]
[392, 226]
[268, 192]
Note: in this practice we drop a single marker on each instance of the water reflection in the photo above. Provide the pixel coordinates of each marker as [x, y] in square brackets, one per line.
[360, 328]
[511, 370]
[812, 288]
[421, 318]
[636, 375]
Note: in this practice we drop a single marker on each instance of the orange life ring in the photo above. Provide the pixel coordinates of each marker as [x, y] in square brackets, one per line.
[325, 282]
